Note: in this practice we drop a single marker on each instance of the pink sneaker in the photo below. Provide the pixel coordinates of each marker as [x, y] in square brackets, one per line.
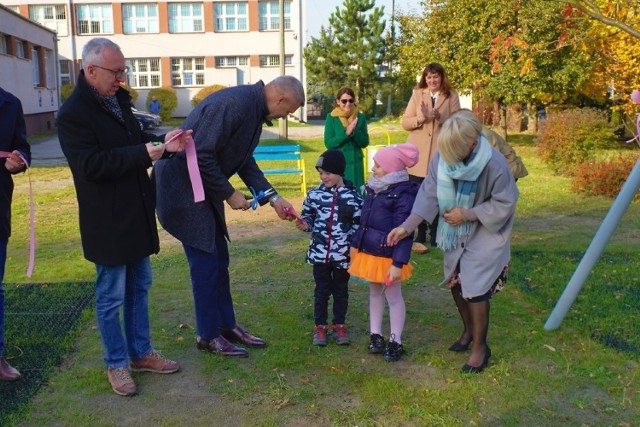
[121, 381]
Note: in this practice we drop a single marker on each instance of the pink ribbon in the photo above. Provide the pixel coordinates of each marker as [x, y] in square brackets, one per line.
[192, 166]
[32, 221]
[194, 172]
[635, 97]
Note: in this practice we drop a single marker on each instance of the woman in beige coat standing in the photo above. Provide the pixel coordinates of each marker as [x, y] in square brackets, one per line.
[432, 102]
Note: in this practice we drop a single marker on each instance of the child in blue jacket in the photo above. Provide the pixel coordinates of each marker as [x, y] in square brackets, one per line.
[331, 212]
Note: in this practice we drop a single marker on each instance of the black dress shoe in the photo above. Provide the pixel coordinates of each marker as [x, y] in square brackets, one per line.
[221, 346]
[241, 336]
[458, 347]
[468, 369]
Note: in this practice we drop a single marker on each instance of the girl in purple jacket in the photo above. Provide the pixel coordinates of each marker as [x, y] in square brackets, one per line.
[390, 196]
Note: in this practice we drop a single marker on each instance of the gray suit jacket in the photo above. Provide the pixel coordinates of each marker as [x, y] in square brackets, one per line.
[487, 250]
[226, 130]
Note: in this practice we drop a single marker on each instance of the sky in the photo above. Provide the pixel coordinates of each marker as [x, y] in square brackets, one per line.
[318, 12]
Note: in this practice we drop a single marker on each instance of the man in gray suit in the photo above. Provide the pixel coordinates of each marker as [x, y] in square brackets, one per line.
[226, 130]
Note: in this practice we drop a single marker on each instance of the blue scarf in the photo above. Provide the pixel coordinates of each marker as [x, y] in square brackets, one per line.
[466, 175]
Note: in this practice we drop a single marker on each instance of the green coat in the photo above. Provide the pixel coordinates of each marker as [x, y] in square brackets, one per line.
[335, 136]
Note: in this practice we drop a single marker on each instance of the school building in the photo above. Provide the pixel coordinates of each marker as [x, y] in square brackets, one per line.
[183, 44]
[28, 68]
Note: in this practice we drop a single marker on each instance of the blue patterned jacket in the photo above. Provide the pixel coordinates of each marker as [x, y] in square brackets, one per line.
[333, 215]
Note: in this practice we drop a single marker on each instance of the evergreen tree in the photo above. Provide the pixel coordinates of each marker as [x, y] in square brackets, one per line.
[349, 52]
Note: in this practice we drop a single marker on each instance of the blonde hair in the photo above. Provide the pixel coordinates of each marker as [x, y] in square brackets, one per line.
[458, 133]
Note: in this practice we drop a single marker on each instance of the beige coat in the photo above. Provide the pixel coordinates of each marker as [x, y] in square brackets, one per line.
[515, 163]
[423, 131]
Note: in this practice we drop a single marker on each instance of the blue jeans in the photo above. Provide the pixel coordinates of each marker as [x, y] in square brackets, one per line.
[211, 288]
[124, 286]
[3, 259]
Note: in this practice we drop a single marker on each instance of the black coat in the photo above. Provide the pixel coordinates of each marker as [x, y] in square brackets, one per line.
[109, 164]
[13, 136]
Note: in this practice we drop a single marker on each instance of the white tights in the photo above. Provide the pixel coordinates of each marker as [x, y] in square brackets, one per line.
[397, 309]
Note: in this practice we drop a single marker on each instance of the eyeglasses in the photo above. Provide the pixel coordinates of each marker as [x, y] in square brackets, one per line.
[350, 101]
[118, 74]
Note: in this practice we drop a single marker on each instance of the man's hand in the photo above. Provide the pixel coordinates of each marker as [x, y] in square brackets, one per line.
[14, 163]
[177, 139]
[280, 205]
[155, 150]
[238, 201]
[396, 235]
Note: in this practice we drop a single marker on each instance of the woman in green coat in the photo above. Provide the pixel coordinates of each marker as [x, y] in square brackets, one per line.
[346, 130]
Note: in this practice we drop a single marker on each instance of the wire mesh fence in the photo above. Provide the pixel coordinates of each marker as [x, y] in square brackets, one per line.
[39, 321]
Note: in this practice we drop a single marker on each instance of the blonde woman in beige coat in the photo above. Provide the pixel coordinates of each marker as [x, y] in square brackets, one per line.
[432, 102]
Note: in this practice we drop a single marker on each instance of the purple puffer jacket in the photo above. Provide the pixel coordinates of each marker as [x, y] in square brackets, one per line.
[381, 213]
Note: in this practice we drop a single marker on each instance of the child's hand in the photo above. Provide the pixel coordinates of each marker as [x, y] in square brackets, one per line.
[396, 235]
[302, 225]
[393, 275]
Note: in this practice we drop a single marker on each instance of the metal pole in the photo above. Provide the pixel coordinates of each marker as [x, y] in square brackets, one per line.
[608, 226]
[283, 121]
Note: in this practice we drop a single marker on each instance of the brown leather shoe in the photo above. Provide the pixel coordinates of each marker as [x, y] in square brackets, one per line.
[8, 372]
[154, 362]
[221, 346]
[121, 381]
[239, 335]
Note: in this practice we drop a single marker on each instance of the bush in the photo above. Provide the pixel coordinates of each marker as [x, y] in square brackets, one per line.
[65, 91]
[204, 92]
[603, 178]
[568, 138]
[167, 98]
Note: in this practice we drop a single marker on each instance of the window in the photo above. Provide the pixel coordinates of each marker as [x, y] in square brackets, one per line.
[20, 49]
[269, 15]
[185, 18]
[95, 19]
[140, 18]
[64, 71]
[187, 71]
[230, 16]
[35, 63]
[3, 44]
[231, 61]
[51, 16]
[274, 60]
[143, 72]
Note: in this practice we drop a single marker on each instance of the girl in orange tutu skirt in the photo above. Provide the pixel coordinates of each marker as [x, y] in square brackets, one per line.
[390, 197]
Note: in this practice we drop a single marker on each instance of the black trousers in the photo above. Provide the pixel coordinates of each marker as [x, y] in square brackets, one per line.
[330, 281]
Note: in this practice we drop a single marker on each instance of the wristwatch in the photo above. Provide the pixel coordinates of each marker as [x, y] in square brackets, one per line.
[273, 199]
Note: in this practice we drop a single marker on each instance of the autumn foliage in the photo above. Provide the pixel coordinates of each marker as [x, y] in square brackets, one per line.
[604, 178]
[571, 137]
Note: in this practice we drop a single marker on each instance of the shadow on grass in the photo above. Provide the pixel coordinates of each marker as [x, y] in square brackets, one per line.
[39, 322]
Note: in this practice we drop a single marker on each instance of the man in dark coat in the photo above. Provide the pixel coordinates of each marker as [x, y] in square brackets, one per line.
[109, 157]
[226, 129]
[13, 142]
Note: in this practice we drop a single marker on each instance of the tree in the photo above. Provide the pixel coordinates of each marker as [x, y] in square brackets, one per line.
[506, 52]
[612, 43]
[349, 52]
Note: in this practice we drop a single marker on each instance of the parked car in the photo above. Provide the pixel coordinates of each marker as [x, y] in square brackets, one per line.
[146, 119]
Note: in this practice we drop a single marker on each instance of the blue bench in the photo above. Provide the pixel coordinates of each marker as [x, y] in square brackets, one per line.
[280, 153]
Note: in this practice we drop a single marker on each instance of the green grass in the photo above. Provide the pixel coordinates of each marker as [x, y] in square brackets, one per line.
[583, 374]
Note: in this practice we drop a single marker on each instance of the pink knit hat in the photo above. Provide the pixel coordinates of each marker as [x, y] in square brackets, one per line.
[394, 158]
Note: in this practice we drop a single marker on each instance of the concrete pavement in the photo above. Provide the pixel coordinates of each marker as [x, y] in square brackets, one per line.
[48, 152]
